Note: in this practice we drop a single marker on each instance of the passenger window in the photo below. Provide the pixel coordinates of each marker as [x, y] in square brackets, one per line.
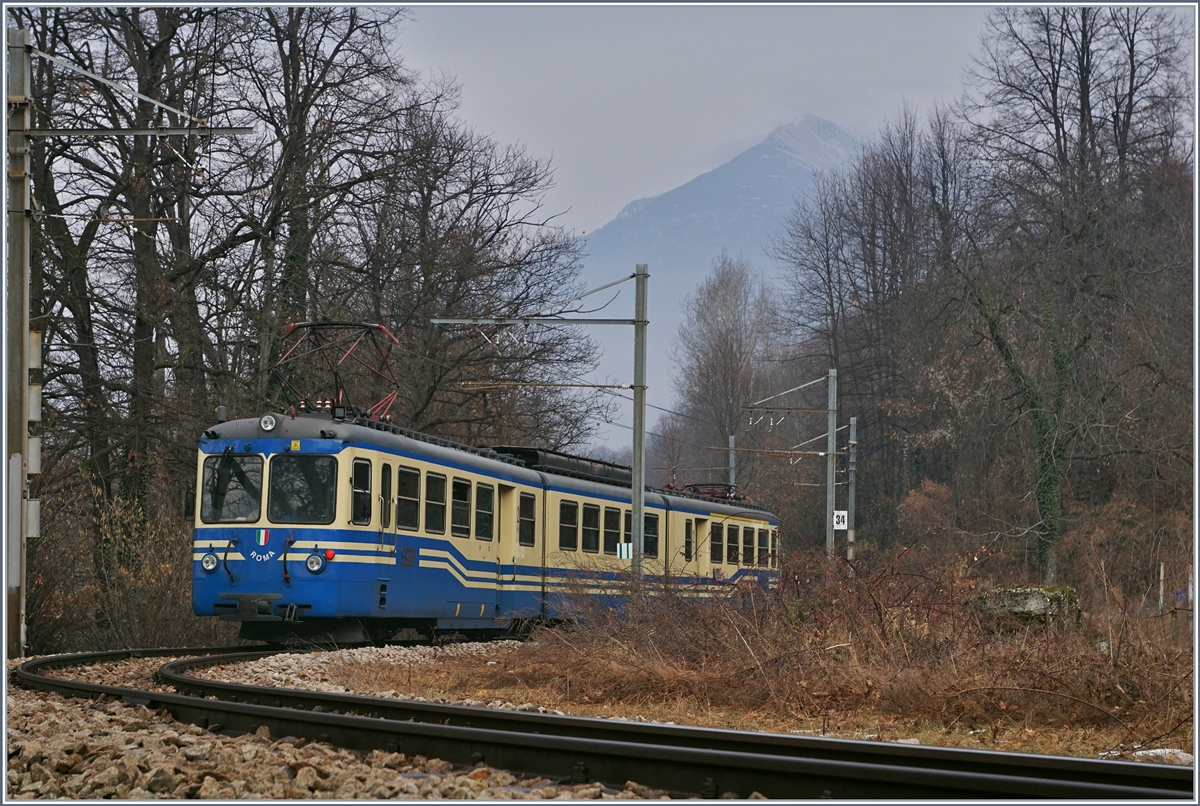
[591, 528]
[460, 509]
[774, 549]
[485, 508]
[747, 545]
[360, 483]
[435, 503]
[762, 548]
[526, 520]
[628, 527]
[687, 540]
[408, 498]
[385, 495]
[568, 525]
[731, 545]
[612, 529]
[650, 536]
[716, 543]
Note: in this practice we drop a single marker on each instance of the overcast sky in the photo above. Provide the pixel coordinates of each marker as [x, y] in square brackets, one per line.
[633, 101]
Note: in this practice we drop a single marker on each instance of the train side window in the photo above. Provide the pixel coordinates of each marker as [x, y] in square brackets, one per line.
[612, 529]
[774, 548]
[591, 528]
[568, 525]
[460, 508]
[360, 484]
[628, 527]
[687, 540]
[408, 497]
[731, 545]
[650, 536]
[716, 542]
[527, 520]
[485, 510]
[385, 496]
[762, 548]
[435, 503]
[747, 545]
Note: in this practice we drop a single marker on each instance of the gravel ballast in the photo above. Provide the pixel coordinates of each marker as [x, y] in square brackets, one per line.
[71, 748]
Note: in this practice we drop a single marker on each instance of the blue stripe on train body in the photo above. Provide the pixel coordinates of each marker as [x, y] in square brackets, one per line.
[421, 575]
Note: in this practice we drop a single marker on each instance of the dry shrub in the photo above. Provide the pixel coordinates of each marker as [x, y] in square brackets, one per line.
[73, 606]
[895, 638]
[927, 509]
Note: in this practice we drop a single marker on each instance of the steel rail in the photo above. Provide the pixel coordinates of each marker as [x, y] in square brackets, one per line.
[1116, 773]
[678, 760]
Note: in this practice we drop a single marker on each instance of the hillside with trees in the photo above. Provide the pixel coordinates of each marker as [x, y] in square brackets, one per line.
[1005, 288]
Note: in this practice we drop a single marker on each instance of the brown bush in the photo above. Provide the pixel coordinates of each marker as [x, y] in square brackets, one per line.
[892, 639]
[72, 606]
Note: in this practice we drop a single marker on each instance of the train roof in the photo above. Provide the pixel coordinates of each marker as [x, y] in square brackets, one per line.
[318, 425]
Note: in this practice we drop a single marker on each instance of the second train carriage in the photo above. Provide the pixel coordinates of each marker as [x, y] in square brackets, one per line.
[349, 529]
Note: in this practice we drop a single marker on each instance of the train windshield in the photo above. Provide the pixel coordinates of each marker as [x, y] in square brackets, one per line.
[302, 489]
[232, 489]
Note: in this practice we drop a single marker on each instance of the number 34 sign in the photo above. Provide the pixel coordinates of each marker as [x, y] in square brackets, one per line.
[839, 519]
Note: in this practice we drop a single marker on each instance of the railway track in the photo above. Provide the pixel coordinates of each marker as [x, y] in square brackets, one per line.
[683, 761]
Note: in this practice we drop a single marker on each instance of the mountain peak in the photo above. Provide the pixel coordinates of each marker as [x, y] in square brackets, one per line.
[737, 206]
[813, 141]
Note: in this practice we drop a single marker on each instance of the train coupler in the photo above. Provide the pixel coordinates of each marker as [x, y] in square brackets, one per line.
[252, 606]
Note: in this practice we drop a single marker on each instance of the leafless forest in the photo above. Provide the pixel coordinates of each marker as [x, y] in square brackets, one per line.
[1004, 285]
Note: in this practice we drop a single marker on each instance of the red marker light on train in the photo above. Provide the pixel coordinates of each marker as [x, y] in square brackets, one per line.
[329, 554]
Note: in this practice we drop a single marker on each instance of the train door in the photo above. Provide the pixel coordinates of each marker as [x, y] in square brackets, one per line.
[486, 551]
[406, 523]
[387, 531]
[542, 532]
[519, 573]
[699, 561]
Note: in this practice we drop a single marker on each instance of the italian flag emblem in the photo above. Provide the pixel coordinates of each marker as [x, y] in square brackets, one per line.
[262, 536]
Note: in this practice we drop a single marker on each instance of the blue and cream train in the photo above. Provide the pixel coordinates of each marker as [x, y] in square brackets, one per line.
[350, 529]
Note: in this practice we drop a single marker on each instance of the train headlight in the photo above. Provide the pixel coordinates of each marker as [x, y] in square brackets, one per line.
[315, 563]
[209, 562]
[267, 423]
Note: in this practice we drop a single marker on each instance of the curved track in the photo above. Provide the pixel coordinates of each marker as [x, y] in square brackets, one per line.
[681, 760]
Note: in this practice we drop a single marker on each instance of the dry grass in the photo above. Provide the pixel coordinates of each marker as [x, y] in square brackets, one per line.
[880, 653]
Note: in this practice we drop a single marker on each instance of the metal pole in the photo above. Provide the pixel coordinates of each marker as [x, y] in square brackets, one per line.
[732, 470]
[852, 466]
[639, 418]
[16, 332]
[830, 466]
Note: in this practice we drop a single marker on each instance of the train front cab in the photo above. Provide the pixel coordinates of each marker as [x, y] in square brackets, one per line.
[268, 547]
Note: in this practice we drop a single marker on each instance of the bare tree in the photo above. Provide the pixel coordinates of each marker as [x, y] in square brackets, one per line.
[1067, 101]
[724, 353]
[457, 229]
